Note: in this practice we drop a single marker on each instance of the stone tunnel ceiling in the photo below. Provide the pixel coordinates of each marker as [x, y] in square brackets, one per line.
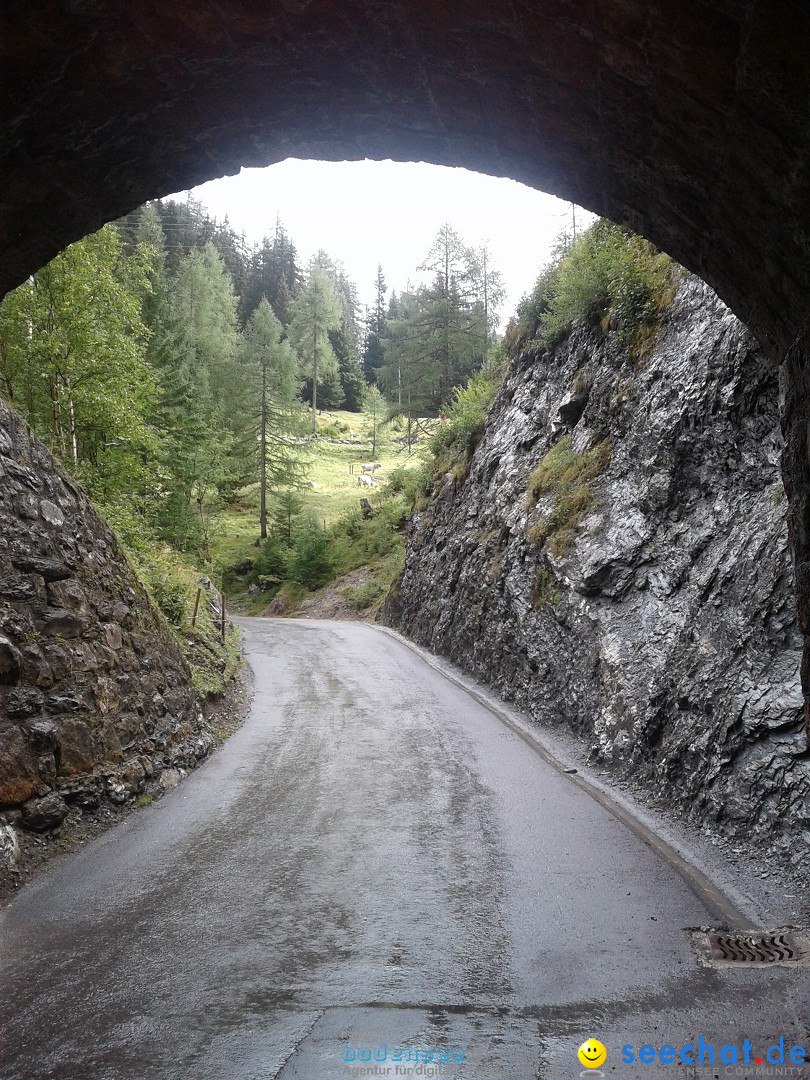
[689, 120]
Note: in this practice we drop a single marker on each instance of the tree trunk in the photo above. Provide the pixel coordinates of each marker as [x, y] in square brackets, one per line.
[74, 443]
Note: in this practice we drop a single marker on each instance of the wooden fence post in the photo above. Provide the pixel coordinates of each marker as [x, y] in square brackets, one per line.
[196, 606]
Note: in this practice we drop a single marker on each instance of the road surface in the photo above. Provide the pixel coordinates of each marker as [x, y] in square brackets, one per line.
[374, 860]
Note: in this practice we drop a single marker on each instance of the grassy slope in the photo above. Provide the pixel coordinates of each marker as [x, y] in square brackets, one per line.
[334, 494]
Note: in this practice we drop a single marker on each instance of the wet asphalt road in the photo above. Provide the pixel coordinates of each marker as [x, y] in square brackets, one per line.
[375, 858]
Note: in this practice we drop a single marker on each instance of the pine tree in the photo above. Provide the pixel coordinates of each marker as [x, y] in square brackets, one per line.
[376, 323]
[375, 411]
[272, 273]
[201, 388]
[443, 329]
[315, 313]
[272, 367]
[350, 374]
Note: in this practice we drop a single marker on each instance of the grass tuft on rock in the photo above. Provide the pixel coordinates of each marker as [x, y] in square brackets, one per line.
[566, 476]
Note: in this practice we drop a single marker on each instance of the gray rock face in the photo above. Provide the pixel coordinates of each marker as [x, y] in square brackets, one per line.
[94, 695]
[651, 607]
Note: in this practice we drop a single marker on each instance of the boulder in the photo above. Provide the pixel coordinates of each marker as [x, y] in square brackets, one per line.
[44, 814]
[10, 662]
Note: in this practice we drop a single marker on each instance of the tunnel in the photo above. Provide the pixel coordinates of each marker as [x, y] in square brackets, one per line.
[686, 120]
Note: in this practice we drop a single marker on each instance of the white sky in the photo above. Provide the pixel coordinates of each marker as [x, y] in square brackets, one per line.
[367, 212]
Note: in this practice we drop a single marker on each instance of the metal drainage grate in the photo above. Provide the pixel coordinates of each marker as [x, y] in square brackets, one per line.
[753, 948]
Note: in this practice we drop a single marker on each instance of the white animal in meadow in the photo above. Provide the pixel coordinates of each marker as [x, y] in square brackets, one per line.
[370, 467]
[365, 481]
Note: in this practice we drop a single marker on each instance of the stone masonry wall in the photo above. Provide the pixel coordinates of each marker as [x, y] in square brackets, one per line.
[95, 701]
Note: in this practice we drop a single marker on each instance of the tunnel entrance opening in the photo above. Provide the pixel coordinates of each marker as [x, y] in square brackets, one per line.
[689, 123]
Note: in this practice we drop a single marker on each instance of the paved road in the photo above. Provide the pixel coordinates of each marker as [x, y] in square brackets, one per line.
[375, 858]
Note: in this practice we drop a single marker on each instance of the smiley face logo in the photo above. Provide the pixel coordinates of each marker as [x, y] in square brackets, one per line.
[592, 1054]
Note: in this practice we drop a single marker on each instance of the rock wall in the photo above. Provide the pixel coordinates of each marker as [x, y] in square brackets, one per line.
[94, 696]
[662, 627]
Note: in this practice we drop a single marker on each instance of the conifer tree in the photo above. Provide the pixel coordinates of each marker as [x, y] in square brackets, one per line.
[271, 365]
[315, 313]
[373, 352]
[375, 411]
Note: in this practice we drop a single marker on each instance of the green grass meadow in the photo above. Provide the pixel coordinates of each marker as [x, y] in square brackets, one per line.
[330, 495]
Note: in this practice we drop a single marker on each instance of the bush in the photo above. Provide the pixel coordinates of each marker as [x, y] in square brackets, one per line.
[329, 431]
[361, 597]
[270, 565]
[456, 438]
[607, 273]
[167, 582]
[312, 563]
[172, 583]
[412, 483]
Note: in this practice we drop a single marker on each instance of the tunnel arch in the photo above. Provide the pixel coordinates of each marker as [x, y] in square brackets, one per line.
[688, 120]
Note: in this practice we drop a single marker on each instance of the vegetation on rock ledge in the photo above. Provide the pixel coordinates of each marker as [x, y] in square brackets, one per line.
[607, 275]
[567, 476]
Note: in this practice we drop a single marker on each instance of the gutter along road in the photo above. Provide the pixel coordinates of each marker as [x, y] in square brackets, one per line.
[376, 857]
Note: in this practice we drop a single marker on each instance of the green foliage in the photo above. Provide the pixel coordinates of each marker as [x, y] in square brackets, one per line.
[312, 563]
[544, 588]
[567, 475]
[376, 331]
[316, 311]
[413, 483]
[166, 581]
[273, 275]
[441, 332]
[286, 512]
[272, 418]
[608, 274]
[72, 361]
[362, 597]
[350, 372]
[362, 540]
[375, 411]
[172, 584]
[271, 566]
[200, 410]
[456, 437]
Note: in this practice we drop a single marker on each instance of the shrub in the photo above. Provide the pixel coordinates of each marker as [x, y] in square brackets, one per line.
[607, 274]
[312, 563]
[361, 597]
[270, 565]
[166, 581]
[455, 439]
[413, 483]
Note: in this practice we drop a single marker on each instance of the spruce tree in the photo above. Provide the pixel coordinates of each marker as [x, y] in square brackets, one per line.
[276, 415]
[315, 313]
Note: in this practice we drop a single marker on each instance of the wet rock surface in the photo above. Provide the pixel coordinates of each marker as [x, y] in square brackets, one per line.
[661, 627]
[95, 702]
